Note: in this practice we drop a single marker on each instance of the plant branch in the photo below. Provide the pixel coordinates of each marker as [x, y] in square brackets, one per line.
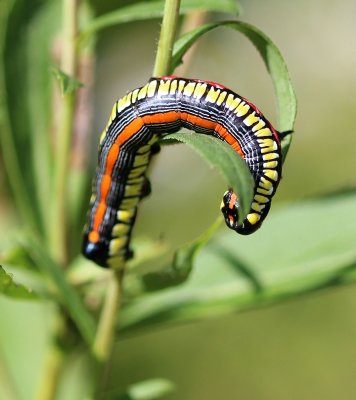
[54, 360]
[57, 238]
[191, 21]
[166, 38]
[104, 341]
[105, 334]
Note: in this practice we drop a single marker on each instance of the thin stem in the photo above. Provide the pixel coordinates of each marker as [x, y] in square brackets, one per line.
[68, 65]
[57, 234]
[166, 39]
[104, 341]
[191, 21]
[106, 330]
[54, 361]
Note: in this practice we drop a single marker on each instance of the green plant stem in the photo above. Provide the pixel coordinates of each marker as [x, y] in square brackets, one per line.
[106, 330]
[166, 38]
[104, 341]
[54, 361]
[57, 234]
[190, 22]
[62, 155]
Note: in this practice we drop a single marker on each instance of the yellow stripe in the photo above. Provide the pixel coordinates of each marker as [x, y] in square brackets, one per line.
[120, 229]
[271, 174]
[151, 88]
[117, 244]
[181, 86]
[134, 95]
[143, 92]
[221, 98]
[128, 204]
[232, 102]
[270, 164]
[264, 191]
[251, 119]
[257, 207]
[261, 199]
[253, 218]
[199, 90]
[263, 132]
[174, 85]
[265, 183]
[242, 109]
[132, 190]
[212, 95]
[163, 88]
[189, 89]
[259, 125]
[270, 156]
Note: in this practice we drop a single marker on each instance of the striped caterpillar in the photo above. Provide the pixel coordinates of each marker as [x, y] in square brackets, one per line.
[138, 120]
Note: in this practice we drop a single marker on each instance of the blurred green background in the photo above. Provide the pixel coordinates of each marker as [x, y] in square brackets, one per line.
[301, 349]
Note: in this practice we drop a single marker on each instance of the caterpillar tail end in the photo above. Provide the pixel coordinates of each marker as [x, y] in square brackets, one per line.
[230, 210]
[99, 253]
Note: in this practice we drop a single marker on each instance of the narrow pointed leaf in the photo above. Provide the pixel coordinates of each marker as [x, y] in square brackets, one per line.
[286, 100]
[10, 288]
[67, 83]
[222, 157]
[182, 265]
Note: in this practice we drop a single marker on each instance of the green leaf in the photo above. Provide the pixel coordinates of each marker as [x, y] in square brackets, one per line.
[68, 296]
[301, 248]
[221, 156]
[25, 84]
[10, 57]
[154, 9]
[150, 389]
[286, 100]
[67, 84]
[10, 288]
[182, 264]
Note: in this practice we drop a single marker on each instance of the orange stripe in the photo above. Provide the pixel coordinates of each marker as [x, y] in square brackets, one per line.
[131, 129]
[159, 118]
[194, 119]
[223, 132]
[232, 201]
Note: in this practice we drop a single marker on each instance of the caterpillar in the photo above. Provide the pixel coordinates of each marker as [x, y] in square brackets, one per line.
[137, 121]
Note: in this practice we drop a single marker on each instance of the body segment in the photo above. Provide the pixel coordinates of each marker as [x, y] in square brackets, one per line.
[138, 121]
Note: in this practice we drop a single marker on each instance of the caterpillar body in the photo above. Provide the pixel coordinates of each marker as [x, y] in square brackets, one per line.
[138, 120]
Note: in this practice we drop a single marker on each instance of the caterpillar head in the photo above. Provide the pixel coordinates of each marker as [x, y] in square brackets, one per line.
[230, 209]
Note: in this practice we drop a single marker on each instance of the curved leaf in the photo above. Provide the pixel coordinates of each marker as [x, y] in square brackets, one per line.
[221, 156]
[182, 265]
[286, 100]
